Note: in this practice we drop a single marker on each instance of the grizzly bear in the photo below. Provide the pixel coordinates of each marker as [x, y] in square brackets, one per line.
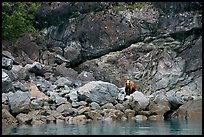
[130, 87]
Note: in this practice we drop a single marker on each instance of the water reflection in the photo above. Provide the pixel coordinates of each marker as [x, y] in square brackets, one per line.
[167, 127]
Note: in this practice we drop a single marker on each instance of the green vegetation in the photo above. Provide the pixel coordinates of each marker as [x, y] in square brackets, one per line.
[119, 8]
[135, 6]
[129, 7]
[17, 18]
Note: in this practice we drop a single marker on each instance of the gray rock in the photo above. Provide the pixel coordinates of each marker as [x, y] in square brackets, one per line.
[69, 111]
[156, 117]
[36, 68]
[140, 118]
[79, 119]
[140, 98]
[175, 99]
[61, 82]
[144, 113]
[83, 109]
[99, 91]
[20, 72]
[4, 98]
[159, 104]
[94, 106]
[24, 118]
[7, 63]
[86, 76]
[19, 102]
[6, 83]
[108, 106]
[63, 107]
[120, 107]
[191, 110]
[37, 103]
[94, 115]
[60, 100]
[121, 94]
[129, 113]
[19, 86]
[62, 70]
[73, 95]
[73, 52]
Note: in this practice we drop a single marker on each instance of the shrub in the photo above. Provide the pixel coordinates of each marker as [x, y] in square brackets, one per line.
[17, 18]
[129, 7]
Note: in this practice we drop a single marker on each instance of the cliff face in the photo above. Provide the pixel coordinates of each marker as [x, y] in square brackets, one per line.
[157, 45]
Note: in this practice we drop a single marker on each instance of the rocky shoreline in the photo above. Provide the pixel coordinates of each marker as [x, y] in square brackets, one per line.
[38, 101]
[74, 69]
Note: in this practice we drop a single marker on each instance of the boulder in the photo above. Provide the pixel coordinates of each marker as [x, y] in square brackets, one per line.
[7, 63]
[86, 76]
[158, 103]
[7, 60]
[140, 118]
[19, 102]
[156, 117]
[7, 118]
[191, 110]
[24, 118]
[98, 91]
[36, 68]
[62, 81]
[35, 92]
[6, 83]
[140, 98]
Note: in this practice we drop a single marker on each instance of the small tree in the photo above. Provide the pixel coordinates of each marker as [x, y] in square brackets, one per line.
[17, 18]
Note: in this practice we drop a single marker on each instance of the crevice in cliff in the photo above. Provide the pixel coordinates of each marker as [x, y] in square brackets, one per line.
[191, 71]
[182, 35]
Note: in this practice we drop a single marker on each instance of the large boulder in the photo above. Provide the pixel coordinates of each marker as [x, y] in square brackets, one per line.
[19, 72]
[19, 102]
[191, 110]
[158, 103]
[7, 118]
[61, 70]
[35, 92]
[140, 98]
[99, 91]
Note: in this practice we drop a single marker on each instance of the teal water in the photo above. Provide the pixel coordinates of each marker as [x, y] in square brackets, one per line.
[166, 127]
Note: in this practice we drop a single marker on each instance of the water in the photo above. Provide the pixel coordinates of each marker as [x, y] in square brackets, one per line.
[167, 127]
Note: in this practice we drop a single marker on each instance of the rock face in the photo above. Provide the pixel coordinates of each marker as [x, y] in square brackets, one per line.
[54, 13]
[97, 33]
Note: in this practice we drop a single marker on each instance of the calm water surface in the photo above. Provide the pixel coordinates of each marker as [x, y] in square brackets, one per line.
[167, 127]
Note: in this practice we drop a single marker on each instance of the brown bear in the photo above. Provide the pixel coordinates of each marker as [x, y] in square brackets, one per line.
[130, 87]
